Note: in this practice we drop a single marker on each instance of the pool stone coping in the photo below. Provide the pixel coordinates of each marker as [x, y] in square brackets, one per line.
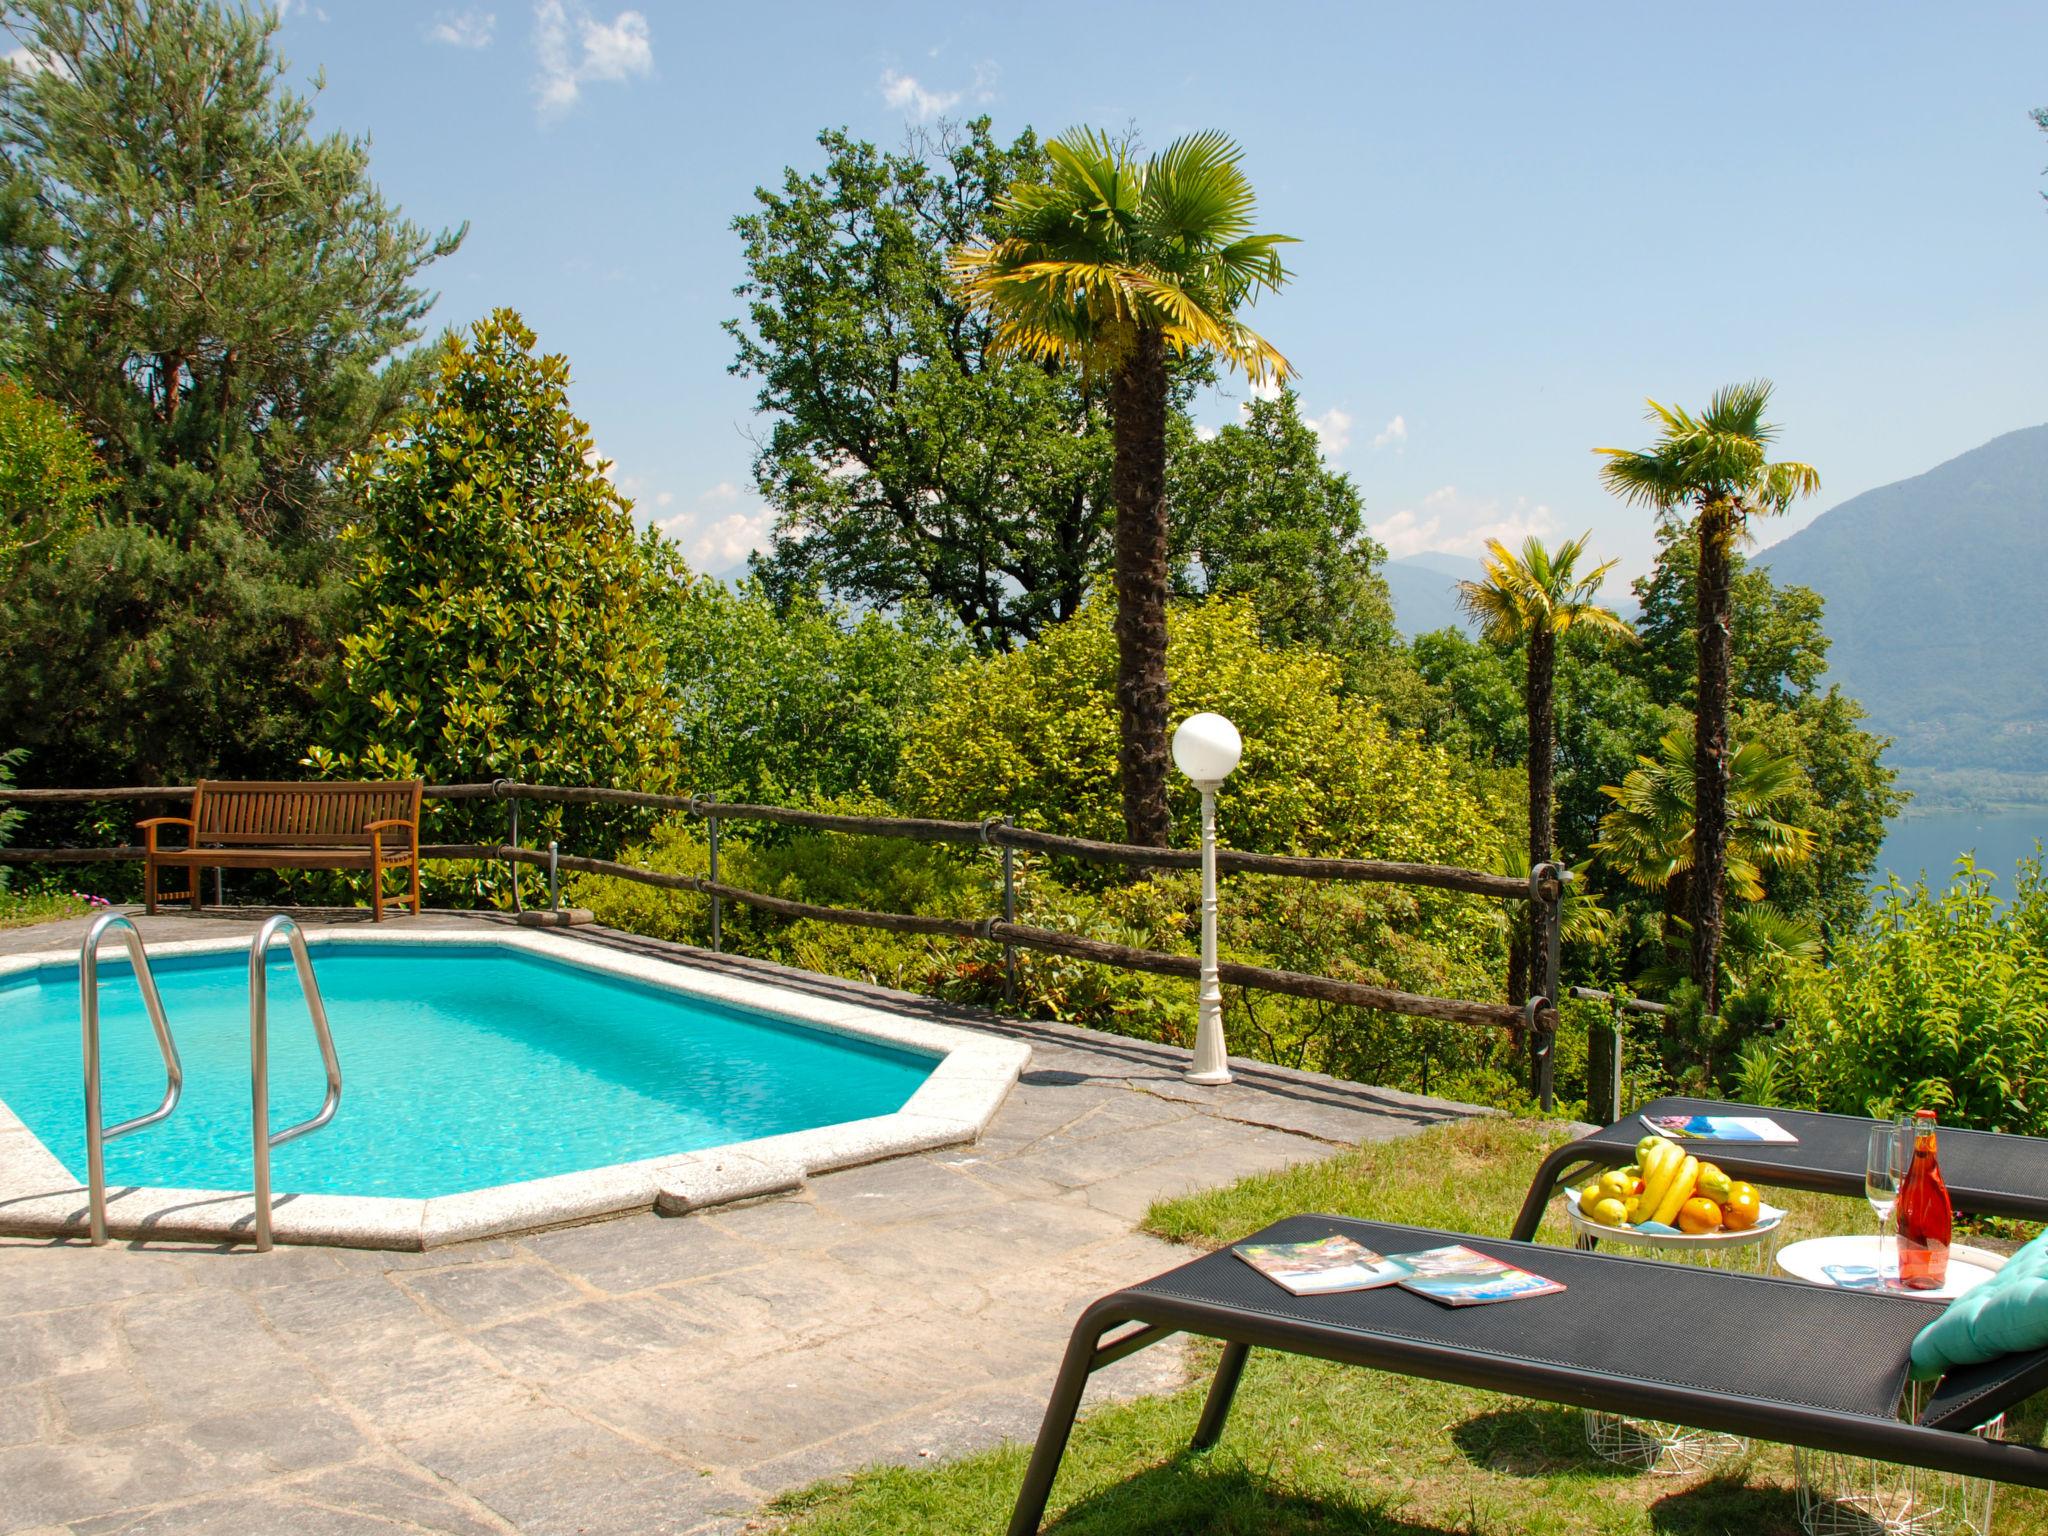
[973, 1074]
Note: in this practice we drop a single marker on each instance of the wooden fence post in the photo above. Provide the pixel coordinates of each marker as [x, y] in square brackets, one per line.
[717, 901]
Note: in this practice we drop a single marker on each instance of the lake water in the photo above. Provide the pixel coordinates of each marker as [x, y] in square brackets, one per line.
[1933, 841]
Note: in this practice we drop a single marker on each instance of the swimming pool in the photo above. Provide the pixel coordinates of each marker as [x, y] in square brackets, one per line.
[476, 1065]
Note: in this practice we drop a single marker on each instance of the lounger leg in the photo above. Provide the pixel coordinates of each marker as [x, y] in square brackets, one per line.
[1053, 1431]
[1544, 1183]
[1216, 1410]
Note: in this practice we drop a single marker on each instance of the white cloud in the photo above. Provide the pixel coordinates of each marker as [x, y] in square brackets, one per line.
[464, 29]
[905, 94]
[986, 77]
[720, 529]
[1266, 389]
[1394, 433]
[601, 51]
[1333, 431]
[1453, 523]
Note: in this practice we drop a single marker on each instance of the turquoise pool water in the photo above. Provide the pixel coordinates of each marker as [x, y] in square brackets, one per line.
[463, 1066]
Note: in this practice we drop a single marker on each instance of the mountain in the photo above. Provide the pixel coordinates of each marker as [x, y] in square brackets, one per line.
[1425, 590]
[1937, 610]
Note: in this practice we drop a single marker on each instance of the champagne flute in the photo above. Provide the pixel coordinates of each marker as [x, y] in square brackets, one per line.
[1882, 1169]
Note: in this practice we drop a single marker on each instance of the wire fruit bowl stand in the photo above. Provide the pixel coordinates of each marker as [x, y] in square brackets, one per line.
[1649, 1445]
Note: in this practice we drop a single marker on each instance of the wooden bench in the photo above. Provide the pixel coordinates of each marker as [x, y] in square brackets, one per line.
[241, 824]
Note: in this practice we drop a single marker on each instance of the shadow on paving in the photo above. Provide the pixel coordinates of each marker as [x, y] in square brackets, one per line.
[1198, 1495]
[1535, 1441]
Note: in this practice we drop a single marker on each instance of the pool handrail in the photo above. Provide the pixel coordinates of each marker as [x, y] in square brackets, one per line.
[96, 1135]
[259, 1058]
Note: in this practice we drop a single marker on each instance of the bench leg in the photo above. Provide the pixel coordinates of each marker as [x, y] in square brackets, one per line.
[1216, 1409]
[376, 892]
[198, 889]
[415, 883]
[1086, 1354]
[149, 886]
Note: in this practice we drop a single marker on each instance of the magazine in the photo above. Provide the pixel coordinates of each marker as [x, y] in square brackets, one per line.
[1322, 1267]
[1719, 1128]
[1458, 1276]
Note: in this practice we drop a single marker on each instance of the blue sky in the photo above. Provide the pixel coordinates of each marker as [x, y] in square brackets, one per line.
[1516, 221]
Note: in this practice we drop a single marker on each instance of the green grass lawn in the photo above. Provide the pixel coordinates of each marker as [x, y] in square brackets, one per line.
[1322, 1450]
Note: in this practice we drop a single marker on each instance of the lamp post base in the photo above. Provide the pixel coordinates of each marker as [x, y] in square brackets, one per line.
[1214, 1078]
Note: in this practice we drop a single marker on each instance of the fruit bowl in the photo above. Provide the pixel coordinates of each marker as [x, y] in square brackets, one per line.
[1654, 1235]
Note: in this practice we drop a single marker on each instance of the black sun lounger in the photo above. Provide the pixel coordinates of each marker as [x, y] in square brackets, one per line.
[1988, 1173]
[1775, 1359]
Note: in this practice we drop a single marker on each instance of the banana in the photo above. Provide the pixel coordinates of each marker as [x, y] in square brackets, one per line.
[1658, 1168]
[1679, 1191]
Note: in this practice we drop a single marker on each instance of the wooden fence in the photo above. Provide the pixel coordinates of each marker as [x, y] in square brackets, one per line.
[1535, 1022]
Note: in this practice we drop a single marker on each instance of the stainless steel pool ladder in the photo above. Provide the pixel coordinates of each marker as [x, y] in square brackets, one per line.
[96, 1138]
[259, 1059]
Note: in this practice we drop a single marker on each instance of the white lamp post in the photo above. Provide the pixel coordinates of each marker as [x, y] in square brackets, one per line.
[1206, 748]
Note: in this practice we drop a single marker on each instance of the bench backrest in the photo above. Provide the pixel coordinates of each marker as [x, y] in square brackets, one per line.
[246, 813]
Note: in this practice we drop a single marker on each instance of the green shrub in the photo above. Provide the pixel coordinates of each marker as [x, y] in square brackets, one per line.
[1032, 734]
[1939, 1000]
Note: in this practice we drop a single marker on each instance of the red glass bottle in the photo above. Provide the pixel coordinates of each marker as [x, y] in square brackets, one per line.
[1925, 1217]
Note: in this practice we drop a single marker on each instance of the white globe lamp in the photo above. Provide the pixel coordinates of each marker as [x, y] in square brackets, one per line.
[1206, 748]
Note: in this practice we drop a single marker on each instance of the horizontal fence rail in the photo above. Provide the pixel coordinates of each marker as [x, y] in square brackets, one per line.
[1543, 895]
[993, 833]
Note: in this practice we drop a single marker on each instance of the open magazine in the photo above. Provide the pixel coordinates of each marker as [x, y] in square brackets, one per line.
[1719, 1128]
[1459, 1276]
[1323, 1267]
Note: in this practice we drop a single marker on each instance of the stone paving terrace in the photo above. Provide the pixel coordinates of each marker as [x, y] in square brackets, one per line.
[642, 1375]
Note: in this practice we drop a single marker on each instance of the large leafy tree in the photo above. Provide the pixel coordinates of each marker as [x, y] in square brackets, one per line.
[908, 461]
[1715, 467]
[506, 613]
[1121, 265]
[1255, 512]
[798, 701]
[220, 297]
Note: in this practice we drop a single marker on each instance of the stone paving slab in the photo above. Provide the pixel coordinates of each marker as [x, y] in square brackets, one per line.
[651, 1375]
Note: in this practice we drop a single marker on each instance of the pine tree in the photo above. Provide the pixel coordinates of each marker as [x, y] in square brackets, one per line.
[222, 299]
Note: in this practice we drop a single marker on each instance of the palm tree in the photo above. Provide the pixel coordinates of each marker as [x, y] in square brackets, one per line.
[1530, 599]
[1651, 837]
[1716, 466]
[1118, 264]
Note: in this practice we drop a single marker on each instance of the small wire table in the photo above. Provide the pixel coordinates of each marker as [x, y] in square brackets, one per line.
[1649, 1445]
[1854, 1496]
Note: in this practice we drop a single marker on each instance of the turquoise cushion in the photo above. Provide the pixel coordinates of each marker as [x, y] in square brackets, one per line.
[2006, 1314]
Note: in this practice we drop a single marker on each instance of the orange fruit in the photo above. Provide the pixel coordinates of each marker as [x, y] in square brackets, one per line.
[1699, 1215]
[1740, 1210]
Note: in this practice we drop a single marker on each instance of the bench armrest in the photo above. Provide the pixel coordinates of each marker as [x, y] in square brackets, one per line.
[377, 829]
[149, 829]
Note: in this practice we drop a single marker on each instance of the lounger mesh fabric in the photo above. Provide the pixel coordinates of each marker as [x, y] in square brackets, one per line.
[1809, 1366]
[1698, 1335]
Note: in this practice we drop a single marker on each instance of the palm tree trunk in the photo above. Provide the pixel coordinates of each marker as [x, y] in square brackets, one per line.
[1710, 749]
[1542, 742]
[1538, 699]
[1137, 404]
